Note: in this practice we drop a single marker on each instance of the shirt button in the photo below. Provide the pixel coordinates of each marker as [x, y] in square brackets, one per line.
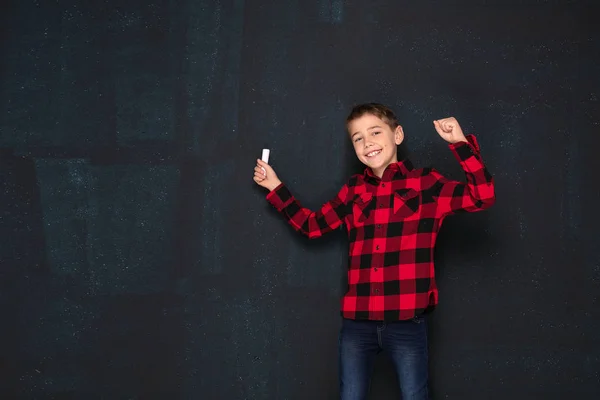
[383, 185]
[377, 247]
[378, 225]
[380, 205]
[376, 290]
[375, 268]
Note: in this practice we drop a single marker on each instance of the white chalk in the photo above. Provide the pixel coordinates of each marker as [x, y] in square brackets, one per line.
[265, 155]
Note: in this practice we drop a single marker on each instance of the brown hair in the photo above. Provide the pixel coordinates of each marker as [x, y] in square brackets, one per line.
[379, 110]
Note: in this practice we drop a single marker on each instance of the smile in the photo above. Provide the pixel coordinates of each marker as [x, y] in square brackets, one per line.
[373, 153]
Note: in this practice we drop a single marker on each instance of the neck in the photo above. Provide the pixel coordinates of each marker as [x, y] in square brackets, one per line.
[379, 171]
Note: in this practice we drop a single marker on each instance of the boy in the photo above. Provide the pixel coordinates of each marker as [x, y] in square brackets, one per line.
[393, 213]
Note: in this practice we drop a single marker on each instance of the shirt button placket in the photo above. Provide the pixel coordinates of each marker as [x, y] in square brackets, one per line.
[378, 235]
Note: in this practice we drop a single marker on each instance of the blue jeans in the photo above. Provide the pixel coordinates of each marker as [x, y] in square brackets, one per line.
[404, 341]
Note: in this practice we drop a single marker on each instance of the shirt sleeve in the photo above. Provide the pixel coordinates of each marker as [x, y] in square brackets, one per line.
[312, 224]
[477, 194]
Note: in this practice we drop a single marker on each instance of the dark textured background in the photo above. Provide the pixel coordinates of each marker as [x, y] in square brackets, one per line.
[140, 261]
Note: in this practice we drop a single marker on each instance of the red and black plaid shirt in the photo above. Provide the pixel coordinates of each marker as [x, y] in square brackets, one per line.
[392, 225]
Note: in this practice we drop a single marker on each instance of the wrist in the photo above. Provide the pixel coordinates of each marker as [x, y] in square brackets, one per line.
[274, 185]
[459, 140]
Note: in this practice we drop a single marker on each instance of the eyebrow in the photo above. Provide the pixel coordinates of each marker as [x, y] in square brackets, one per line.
[373, 127]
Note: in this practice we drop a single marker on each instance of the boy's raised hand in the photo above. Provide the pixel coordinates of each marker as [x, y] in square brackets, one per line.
[265, 176]
[449, 130]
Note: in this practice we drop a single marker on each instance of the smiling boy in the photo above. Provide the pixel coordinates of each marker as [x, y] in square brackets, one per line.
[392, 213]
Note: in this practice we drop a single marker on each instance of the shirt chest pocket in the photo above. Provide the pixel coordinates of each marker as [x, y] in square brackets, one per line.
[362, 207]
[406, 202]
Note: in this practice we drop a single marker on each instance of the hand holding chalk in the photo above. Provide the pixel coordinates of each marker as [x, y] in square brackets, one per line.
[264, 175]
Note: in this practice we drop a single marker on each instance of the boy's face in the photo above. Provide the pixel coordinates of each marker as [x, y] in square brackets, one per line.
[375, 143]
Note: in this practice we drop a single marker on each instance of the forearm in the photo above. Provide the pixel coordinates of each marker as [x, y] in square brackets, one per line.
[468, 154]
[480, 183]
[312, 224]
[478, 193]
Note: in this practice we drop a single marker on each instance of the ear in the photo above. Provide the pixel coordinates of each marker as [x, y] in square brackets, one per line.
[398, 135]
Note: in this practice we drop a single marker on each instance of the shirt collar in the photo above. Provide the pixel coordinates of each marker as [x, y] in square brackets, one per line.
[399, 168]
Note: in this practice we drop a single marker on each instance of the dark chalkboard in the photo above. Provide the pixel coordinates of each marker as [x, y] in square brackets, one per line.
[139, 260]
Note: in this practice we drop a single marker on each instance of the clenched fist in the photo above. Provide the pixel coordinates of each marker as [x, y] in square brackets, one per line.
[449, 130]
[265, 176]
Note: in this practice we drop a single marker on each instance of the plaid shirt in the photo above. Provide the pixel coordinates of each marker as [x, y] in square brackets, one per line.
[392, 225]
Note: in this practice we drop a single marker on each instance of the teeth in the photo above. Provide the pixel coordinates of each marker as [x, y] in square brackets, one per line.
[371, 154]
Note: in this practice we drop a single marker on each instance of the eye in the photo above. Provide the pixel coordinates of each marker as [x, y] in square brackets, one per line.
[357, 139]
[376, 133]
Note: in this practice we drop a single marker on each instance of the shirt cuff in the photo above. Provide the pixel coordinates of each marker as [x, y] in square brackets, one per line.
[465, 150]
[279, 196]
